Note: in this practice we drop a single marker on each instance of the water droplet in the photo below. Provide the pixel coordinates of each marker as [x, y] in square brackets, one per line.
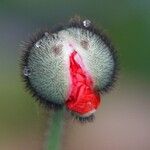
[86, 23]
[46, 34]
[38, 44]
[26, 71]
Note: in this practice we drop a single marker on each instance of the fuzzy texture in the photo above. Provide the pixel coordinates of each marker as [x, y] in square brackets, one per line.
[26, 49]
[96, 56]
[46, 56]
[48, 74]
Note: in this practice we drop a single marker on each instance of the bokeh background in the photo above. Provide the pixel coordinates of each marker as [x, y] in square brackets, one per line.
[123, 121]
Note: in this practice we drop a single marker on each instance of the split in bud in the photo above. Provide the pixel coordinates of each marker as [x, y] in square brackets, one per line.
[75, 77]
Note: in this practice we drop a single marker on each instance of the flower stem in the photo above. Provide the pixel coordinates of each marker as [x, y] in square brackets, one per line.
[55, 130]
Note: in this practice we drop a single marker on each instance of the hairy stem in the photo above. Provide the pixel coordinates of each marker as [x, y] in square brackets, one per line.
[55, 131]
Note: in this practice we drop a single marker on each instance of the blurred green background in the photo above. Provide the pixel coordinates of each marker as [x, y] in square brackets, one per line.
[122, 122]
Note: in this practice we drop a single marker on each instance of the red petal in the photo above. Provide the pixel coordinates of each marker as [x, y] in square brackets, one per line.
[83, 99]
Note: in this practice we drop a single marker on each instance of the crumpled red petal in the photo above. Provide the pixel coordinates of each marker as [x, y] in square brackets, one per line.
[83, 99]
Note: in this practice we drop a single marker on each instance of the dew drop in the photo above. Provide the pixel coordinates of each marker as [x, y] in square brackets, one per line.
[26, 71]
[86, 23]
[46, 34]
[38, 44]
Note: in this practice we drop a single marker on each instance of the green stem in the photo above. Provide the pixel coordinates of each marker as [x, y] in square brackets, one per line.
[55, 131]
